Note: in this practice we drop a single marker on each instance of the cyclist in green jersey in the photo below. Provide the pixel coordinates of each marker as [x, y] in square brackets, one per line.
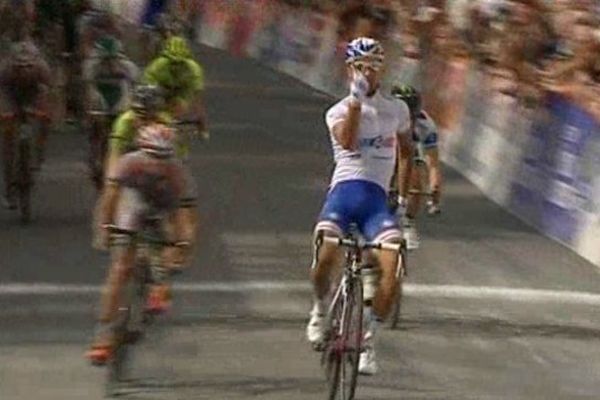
[182, 80]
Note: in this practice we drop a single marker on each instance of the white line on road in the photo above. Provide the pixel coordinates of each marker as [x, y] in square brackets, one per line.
[525, 295]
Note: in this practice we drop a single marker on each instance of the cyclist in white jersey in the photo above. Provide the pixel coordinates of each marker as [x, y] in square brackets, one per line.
[425, 139]
[366, 130]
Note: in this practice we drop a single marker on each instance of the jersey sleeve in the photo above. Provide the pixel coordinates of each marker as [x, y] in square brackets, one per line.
[403, 118]
[153, 72]
[335, 115]
[196, 83]
[121, 136]
[120, 172]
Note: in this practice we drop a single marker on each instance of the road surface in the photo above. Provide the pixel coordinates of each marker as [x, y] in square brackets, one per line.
[493, 309]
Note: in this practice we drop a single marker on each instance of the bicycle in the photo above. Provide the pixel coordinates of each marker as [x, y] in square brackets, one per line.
[343, 342]
[132, 320]
[22, 179]
[100, 128]
[421, 167]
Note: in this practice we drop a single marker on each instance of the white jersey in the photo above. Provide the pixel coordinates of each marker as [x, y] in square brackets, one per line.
[375, 159]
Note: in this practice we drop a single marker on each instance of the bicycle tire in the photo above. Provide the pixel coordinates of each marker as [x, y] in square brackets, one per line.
[25, 180]
[344, 347]
[125, 338]
[397, 307]
[95, 156]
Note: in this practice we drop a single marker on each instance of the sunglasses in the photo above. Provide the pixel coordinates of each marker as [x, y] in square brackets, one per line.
[362, 66]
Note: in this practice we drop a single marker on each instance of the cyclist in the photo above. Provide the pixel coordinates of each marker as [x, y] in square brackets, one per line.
[425, 140]
[94, 24]
[182, 80]
[24, 84]
[146, 109]
[109, 76]
[150, 183]
[366, 130]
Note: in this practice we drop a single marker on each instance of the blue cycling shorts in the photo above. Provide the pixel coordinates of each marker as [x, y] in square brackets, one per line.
[362, 203]
[430, 142]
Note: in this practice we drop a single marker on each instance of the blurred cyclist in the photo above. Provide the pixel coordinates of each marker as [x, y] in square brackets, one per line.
[425, 137]
[109, 76]
[146, 109]
[148, 184]
[182, 80]
[367, 131]
[24, 85]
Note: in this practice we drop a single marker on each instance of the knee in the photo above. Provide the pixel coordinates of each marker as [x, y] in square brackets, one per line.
[324, 253]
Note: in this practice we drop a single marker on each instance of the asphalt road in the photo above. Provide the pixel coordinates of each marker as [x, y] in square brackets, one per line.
[493, 309]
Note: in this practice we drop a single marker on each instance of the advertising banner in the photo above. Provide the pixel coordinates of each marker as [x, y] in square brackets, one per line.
[554, 188]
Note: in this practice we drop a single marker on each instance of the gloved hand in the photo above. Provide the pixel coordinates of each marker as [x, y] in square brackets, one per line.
[359, 87]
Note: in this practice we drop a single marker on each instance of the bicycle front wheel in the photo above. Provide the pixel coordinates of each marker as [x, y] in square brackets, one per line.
[344, 346]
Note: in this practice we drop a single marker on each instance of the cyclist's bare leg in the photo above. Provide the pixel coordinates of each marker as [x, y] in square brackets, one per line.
[181, 227]
[435, 174]
[123, 259]
[414, 200]
[388, 284]
[328, 260]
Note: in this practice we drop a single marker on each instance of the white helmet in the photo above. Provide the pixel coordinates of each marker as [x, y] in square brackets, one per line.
[366, 50]
[157, 140]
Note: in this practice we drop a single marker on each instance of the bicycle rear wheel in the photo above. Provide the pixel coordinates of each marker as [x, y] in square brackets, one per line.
[25, 180]
[344, 343]
[127, 330]
[397, 307]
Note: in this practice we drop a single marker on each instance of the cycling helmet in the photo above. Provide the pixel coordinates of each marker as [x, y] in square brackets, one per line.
[168, 24]
[365, 50]
[409, 95]
[177, 49]
[157, 140]
[147, 99]
[108, 47]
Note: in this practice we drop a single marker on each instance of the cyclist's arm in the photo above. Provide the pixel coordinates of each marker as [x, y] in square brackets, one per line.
[404, 165]
[107, 204]
[118, 142]
[343, 123]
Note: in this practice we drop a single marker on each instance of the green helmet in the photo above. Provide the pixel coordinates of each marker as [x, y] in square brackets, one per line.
[409, 95]
[177, 49]
[108, 47]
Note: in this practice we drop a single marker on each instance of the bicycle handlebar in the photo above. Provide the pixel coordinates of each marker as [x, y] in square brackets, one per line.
[357, 245]
[148, 238]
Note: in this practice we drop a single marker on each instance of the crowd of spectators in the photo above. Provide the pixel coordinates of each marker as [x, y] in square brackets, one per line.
[525, 47]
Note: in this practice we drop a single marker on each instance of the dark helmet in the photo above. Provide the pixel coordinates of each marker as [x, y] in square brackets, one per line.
[147, 99]
[24, 53]
[410, 96]
[108, 47]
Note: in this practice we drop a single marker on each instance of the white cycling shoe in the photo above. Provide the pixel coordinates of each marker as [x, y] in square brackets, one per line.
[411, 235]
[315, 330]
[367, 364]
